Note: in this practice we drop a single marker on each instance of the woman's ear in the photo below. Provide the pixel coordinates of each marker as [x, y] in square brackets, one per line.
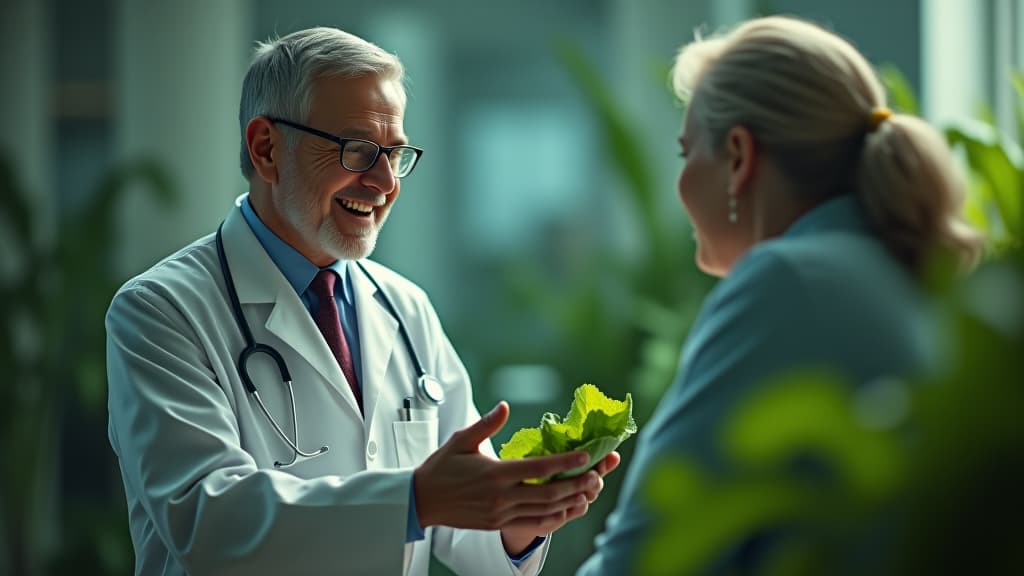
[741, 150]
[260, 138]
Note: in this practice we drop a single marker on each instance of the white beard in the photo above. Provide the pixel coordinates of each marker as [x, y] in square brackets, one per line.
[300, 210]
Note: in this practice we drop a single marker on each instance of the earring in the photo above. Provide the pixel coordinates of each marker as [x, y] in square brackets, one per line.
[733, 217]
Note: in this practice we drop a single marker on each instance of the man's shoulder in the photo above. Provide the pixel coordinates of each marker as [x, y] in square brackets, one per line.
[192, 268]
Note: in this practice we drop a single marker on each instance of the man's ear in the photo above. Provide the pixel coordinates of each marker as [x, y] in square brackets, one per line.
[742, 153]
[261, 138]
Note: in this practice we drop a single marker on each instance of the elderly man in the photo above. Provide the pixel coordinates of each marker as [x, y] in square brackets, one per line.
[277, 402]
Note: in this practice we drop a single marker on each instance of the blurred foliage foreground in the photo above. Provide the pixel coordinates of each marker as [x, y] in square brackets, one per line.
[916, 476]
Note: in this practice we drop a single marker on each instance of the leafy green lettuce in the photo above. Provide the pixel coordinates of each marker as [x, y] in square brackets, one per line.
[595, 424]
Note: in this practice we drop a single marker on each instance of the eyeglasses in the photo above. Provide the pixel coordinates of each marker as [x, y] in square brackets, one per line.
[358, 155]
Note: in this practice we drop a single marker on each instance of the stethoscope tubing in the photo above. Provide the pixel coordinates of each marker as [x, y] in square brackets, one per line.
[253, 347]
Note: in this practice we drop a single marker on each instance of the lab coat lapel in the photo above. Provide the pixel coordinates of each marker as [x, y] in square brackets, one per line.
[377, 332]
[259, 281]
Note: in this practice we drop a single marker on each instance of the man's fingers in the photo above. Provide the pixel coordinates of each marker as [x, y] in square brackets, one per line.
[556, 491]
[468, 439]
[544, 466]
[549, 522]
[543, 518]
[546, 509]
[576, 511]
[593, 492]
[608, 463]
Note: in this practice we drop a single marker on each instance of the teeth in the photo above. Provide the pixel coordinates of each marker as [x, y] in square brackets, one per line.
[357, 206]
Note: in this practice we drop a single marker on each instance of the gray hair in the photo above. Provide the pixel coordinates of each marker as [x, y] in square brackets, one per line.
[808, 97]
[280, 79]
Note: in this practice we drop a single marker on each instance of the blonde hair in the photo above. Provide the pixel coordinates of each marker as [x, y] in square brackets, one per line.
[810, 99]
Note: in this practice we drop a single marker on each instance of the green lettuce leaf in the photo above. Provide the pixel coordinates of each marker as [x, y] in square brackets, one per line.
[595, 424]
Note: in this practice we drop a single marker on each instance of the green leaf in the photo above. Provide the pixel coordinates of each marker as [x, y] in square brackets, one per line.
[558, 436]
[588, 400]
[524, 443]
[997, 161]
[597, 448]
[1017, 79]
[698, 519]
[595, 423]
[976, 205]
[986, 114]
[625, 148]
[809, 412]
[901, 94]
[599, 423]
[15, 211]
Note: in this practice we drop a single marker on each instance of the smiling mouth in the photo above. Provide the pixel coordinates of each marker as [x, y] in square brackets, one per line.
[355, 208]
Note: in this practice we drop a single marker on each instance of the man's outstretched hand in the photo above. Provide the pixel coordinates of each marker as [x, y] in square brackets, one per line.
[458, 486]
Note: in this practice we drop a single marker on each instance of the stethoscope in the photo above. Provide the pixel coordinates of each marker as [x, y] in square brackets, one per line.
[429, 392]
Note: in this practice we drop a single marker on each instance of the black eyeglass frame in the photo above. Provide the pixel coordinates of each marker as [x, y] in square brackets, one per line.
[386, 150]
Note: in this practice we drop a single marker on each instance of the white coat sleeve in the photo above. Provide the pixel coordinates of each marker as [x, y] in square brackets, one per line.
[178, 445]
[468, 552]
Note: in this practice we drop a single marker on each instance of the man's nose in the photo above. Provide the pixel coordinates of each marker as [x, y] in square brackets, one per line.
[380, 176]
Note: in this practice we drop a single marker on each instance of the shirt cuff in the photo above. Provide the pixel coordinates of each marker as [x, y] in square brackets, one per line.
[525, 554]
[413, 530]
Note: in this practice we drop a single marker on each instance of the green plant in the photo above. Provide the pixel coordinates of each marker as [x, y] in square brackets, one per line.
[620, 320]
[52, 341]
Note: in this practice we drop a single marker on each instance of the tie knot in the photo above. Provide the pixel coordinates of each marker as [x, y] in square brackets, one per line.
[323, 284]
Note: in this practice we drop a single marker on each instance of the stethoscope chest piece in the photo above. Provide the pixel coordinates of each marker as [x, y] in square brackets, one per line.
[429, 390]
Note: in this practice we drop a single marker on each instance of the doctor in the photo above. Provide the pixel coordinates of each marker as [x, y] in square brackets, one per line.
[277, 402]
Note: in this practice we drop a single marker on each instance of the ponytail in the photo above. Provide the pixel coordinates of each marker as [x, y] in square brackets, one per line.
[912, 193]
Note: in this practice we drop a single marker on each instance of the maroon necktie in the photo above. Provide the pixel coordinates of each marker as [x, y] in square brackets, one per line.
[329, 323]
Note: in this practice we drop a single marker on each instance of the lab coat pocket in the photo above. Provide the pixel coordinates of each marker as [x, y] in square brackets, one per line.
[414, 441]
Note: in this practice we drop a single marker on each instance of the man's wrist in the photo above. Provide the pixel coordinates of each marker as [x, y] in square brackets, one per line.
[524, 554]
[518, 543]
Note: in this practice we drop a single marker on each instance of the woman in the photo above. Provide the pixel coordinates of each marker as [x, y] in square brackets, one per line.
[820, 209]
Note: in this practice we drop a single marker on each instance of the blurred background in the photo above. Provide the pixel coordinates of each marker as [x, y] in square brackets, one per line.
[543, 220]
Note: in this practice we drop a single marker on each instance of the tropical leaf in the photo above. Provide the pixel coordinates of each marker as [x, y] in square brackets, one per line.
[625, 149]
[997, 161]
[1017, 80]
[901, 94]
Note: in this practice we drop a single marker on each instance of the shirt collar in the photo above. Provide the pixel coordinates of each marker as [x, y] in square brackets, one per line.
[297, 269]
[843, 212]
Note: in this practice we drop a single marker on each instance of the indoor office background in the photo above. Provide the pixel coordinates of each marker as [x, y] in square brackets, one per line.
[543, 219]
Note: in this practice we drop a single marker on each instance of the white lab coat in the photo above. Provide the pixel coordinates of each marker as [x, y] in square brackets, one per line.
[196, 454]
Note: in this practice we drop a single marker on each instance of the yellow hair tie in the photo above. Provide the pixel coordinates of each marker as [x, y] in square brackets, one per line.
[878, 115]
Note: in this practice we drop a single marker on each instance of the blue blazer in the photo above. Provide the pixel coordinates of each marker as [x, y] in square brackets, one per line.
[826, 294]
